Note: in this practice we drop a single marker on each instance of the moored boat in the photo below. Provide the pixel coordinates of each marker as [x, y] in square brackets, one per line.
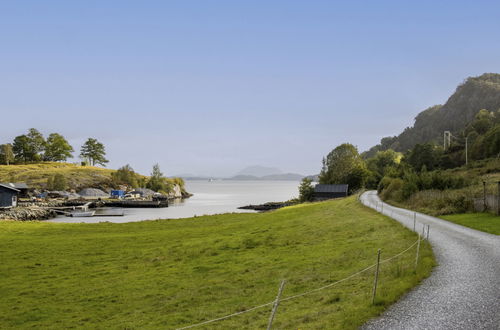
[81, 214]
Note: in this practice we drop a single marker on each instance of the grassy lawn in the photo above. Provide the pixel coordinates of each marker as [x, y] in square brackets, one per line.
[486, 222]
[173, 273]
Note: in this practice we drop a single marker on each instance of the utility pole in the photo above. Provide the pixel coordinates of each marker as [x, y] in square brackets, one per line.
[447, 140]
[466, 151]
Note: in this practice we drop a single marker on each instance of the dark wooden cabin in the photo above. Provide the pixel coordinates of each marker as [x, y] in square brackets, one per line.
[21, 186]
[328, 191]
[8, 196]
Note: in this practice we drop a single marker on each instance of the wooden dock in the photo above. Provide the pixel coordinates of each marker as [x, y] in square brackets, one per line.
[136, 204]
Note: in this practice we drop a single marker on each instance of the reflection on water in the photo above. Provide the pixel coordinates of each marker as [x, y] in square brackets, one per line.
[209, 198]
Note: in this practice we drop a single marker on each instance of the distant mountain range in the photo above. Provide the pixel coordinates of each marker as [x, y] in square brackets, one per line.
[271, 177]
[253, 173]
[259, 171]
[470, 97]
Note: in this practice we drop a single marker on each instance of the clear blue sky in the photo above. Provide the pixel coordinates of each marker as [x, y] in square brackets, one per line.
[209, 87]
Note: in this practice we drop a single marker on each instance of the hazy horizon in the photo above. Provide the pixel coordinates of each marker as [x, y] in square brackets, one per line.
[210, 88]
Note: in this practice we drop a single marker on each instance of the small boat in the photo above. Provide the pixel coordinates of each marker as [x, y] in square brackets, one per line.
[81, 214]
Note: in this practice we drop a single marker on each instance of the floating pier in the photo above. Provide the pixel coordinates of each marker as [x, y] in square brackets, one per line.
[138, 204]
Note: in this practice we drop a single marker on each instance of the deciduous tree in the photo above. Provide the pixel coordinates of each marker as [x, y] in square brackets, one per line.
[57, 148]
[6, 154]
[344, 165]
[22, 149]
[125, 175]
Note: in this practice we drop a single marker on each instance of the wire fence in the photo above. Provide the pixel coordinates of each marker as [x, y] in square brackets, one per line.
[279, 299]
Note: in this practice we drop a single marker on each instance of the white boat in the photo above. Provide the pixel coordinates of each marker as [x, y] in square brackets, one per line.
[81, 214]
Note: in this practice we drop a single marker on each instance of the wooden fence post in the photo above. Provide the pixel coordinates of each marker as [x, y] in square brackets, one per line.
[414, 220]
[275, 306]
[428, 228]
[376, 277]
[498, 198]
[418, 251]
[485, 205]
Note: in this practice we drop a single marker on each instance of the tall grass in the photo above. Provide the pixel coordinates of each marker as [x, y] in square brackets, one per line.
[443, 192]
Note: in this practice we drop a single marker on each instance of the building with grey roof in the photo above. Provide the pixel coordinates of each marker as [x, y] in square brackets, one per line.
[328, 191]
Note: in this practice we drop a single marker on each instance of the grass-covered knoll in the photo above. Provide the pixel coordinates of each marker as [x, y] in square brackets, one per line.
[486, 222]
[76, 176]
[36, 175]
[172, 273]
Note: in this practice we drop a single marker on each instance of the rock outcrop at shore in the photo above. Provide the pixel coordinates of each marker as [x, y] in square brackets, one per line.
[267, 206]
[27, 214]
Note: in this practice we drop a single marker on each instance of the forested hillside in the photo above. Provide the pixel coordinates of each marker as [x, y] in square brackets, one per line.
[475, 94]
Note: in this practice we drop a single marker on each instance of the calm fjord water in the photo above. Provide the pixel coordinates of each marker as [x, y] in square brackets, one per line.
[209, 198]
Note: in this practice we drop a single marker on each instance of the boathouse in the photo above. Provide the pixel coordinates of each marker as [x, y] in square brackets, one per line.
[328, 191]
[21, 186]
[8, 196]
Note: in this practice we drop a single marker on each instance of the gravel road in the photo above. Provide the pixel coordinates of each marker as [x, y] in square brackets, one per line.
[463, 292]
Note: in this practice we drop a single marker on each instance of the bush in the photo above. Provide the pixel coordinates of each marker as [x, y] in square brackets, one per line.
[408, 189]
[393, 190]
[57, 182]
[384, 183]
[306, 190]
[438, 202]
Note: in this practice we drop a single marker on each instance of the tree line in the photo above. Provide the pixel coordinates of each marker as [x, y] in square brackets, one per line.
[33, 147]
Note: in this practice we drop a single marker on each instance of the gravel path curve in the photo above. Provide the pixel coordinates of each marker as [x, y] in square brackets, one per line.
[463, 292]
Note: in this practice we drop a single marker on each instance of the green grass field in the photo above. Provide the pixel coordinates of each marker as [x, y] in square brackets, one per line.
[486, 222]
[173, 273]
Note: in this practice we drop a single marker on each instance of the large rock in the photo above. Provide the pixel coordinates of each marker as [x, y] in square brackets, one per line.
[63, 194]
[92, 192]
[144, 192]
[176, 192]
[27, 214]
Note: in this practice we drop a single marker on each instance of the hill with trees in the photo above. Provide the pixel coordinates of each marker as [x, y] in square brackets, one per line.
[66, 176]
[472, 96]
[416, 169]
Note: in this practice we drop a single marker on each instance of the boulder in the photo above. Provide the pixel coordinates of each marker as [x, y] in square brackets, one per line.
[92, 192]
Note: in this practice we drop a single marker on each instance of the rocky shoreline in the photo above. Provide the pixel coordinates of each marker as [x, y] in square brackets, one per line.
[266, 206]
[27, 214]
[29, 211]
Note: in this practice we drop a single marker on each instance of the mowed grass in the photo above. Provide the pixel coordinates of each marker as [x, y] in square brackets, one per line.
[173, 273]
[486, 222]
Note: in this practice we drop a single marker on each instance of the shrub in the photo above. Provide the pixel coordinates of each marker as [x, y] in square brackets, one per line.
[57, 182]
[306, 190]
[393, 190]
